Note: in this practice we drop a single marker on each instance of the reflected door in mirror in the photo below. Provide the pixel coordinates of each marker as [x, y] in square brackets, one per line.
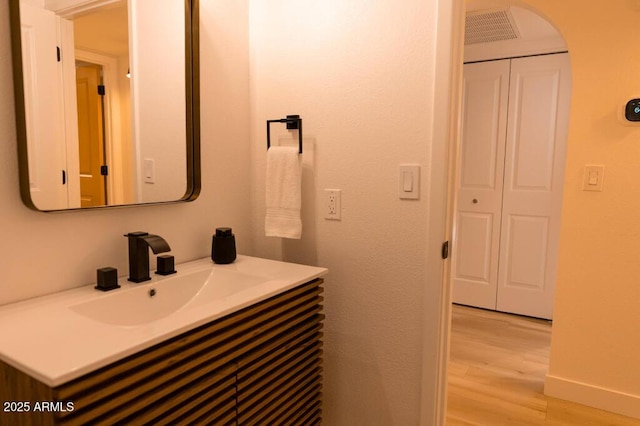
[114, 97]
[89, 93]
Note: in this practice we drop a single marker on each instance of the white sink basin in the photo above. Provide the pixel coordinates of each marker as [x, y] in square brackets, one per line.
[98, 328]
[157, 299]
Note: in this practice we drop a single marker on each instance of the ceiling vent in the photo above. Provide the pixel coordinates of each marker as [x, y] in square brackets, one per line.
[489, 26]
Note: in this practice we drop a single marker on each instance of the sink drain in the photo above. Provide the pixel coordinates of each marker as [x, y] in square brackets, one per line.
[152, 292]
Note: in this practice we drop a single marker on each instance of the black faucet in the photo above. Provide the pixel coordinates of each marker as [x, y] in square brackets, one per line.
[139, 243]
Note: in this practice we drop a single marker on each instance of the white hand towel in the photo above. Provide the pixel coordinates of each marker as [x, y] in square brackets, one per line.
[283, 193]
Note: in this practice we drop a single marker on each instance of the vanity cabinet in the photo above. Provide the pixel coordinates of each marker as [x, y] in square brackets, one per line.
[259, 365]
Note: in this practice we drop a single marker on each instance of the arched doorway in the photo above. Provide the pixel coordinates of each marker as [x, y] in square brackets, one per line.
[514, 125]
[509, 39]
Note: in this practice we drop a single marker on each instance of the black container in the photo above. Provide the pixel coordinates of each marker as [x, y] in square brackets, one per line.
[223, 246]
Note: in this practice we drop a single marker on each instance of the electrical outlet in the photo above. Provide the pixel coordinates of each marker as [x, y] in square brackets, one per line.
[333, 204]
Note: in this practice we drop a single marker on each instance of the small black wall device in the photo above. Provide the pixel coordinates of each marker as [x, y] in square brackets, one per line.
[632, 110]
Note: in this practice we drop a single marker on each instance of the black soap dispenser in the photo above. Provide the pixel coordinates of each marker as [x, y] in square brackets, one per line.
[223, 246]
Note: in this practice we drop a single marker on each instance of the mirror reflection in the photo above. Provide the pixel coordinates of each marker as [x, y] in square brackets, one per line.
[107, 91]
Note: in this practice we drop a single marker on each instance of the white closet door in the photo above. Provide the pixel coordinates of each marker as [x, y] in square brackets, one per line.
[44, 107]
[540, 91]
[479, 196]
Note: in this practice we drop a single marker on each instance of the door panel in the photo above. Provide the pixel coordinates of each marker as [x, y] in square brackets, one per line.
[474, 246]
[90, 135]
[533, 114]
[484, 115]
[42, 73]
[527, 240]
[534, 172]
[479, 195]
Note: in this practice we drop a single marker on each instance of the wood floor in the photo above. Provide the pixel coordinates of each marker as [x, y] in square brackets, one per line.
[497, 368]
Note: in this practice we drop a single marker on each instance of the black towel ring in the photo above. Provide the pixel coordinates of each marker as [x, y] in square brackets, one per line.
[294, 122]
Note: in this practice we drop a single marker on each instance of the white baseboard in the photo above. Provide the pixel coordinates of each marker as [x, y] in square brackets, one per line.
[593, 396]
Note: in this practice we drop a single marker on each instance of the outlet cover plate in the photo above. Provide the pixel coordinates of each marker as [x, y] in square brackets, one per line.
[333, 204]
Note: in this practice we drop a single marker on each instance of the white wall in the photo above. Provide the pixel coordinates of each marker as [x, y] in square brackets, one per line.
[361, 75]
[157, 98]
[43, 252]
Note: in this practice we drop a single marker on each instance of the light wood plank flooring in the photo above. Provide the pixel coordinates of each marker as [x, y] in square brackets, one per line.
[497, 368]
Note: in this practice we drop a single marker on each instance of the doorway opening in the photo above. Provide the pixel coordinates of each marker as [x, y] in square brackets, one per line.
[510, 174]
[510, 166]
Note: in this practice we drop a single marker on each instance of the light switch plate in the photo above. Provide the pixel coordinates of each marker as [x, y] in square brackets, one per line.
[409, 181]
[593, 178]
[149, 170]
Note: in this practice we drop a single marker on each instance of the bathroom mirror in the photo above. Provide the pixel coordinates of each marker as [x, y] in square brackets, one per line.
[107, 103]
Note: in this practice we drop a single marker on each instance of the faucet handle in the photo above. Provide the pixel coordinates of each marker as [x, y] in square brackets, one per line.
[165, 265]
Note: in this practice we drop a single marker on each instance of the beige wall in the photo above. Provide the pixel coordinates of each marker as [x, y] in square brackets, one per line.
[361, 74]
[598, 290]
[42, 252]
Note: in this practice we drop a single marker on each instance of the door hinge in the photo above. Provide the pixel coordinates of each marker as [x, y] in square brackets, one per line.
[445, 250]
[58, 53]
[64, 177]
[104, 170]
[101, 90]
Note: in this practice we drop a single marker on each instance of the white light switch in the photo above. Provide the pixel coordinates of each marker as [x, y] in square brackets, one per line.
[409, 182]
[149, 170]
[593, 178]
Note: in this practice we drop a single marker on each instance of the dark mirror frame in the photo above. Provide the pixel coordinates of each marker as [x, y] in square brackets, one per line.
[192, 93]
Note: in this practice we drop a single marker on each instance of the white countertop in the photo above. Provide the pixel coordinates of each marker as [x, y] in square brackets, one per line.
[51, 339]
